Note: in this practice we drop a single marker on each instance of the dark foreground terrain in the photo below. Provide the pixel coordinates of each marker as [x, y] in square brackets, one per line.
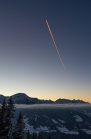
[61, 121]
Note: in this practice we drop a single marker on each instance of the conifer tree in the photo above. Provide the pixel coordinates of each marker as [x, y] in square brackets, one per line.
[19, 132]
[34, 136]
[39, 136]
[49, 137]
[9, 116]
[3, 125]
[28, 135]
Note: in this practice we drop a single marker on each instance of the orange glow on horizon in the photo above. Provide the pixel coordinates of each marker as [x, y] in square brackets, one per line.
[55, 44]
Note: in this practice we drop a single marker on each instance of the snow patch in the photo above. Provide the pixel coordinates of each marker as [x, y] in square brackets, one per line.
[54, 121]
[88, 114]
[45, 116]
[35, 118]
[66, 131]
[87, 123]
[38, 129]
[75, 127]
[87, 131]
[44, 129]
[28, 127]
[78, 118]
[62, 121]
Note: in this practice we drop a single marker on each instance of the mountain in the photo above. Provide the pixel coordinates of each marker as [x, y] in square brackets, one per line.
[61, 101]
[22, 98]
[2, 97]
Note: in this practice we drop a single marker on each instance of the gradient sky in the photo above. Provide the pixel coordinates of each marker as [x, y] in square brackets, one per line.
[29, 62]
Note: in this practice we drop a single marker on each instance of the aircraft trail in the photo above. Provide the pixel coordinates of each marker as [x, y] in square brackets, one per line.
[55, 44]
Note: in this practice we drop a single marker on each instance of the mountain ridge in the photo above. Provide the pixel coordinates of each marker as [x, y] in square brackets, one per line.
[22, 98]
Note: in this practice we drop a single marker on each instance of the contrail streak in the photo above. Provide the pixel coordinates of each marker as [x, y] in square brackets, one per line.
[55, 44]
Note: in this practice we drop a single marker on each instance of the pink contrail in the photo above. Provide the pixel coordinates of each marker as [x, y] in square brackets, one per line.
[55, 44]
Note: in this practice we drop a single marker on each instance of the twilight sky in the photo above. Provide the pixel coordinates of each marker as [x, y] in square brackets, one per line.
[29, 62]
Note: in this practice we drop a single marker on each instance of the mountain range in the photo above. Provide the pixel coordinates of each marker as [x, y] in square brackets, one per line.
[22, 98]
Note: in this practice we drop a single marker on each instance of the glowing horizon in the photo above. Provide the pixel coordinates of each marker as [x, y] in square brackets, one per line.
[52, 98]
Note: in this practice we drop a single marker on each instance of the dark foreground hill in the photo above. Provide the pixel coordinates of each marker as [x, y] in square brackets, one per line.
[66, 121]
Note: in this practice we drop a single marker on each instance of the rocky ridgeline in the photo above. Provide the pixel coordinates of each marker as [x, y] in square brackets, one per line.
[22, 98]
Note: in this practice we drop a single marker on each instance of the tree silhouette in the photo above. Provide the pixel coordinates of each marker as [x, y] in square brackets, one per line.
[34, 136]
[19, 132]
[9, 116]
[3, 125]
[28, 135]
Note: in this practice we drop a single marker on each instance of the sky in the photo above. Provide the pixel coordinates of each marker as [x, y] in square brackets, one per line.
[29, 62]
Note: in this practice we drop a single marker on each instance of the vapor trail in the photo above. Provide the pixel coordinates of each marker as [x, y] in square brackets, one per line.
[55, 44]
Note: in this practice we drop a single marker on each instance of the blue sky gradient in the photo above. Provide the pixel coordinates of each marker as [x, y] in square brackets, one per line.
[29, 62]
